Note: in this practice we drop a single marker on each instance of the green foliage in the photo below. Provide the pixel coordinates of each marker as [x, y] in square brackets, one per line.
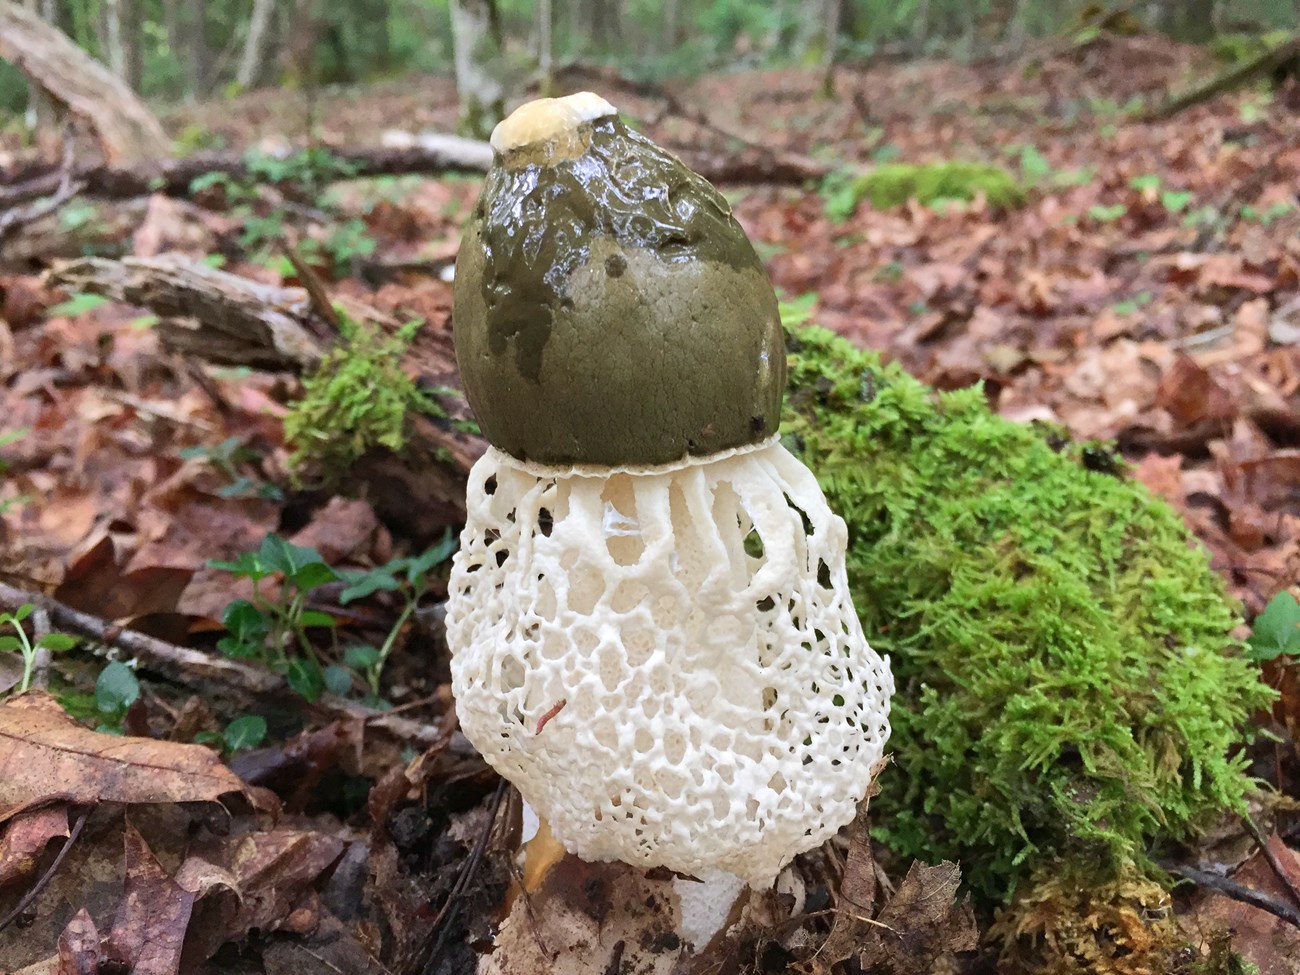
[893, 184]
[409, 579]
[272, 626]
[1067, 682]
[227, 457]
[77, 304]
[6, 438]
[116, 689]
[247, 731]
[1277, 630]
[19, 641]
[355, 400]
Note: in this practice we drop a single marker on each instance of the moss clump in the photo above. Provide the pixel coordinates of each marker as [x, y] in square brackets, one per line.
[355, 400]
[1067, 683]
[893, 184]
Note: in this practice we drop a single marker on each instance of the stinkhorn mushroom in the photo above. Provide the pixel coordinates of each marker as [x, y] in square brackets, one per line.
[649, 616]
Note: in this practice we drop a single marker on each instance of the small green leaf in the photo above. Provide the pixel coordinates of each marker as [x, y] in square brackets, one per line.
[313, 617]
[238, 649]
[1277, 629]
[306, 678]
[1149, 181]
[338, 680]
[57, 641]
[78, 304]
[246, 732]
[361, 657]
[116, 689]
[246, 622]
[363, 584]
[420, 565]
[22, 612]
[249, 565]
[10, 643]
[1107, 214]
[311, 575]
[1175, 201]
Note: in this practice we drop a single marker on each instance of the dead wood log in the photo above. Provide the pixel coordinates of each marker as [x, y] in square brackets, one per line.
[46, 233]
[222, 318]
[1260, 67]
[432, 154]
[127, 132]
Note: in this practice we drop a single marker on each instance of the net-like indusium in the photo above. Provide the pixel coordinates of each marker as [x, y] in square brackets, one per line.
[666, 661]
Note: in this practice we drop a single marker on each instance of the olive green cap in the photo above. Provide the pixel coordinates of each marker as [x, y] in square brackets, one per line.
[608, 307]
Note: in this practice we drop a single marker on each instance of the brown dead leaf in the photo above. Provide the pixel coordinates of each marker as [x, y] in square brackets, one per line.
[79, 946]
[149, 930]
[97, 584]
[1191, 395]
[922, 927]
[25, 837]
[45, 756]
[274, 872]
[1263, 939]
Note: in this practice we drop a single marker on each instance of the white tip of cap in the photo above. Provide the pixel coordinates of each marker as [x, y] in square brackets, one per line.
[548, 119]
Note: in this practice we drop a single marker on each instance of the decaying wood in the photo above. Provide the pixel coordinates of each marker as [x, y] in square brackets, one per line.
[225, 319]
[104, 225]
[206, 312]
[428, 154]
[127, 132]
[1251, 71]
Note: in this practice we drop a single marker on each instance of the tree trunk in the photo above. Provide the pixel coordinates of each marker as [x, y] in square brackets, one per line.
[126, 130]
[193, 48]
[253, 61]
[672, 25]
[476, 34]
[831, 15]
[545, 43]
[1189, 20]
[114, 45]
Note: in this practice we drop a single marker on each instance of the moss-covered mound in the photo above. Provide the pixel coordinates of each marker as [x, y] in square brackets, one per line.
[1067, 684]
[893, 184]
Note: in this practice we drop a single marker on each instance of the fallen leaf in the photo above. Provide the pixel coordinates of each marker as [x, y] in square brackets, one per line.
[25, 837]
[1191, 396]
[97, 584]
[45, 756]
[148, 933]
[923, 926]
[79, 946]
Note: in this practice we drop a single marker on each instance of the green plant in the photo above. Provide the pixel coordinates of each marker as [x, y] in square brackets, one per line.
[272, 626]
[1277, 630]
[355, 400]
[18, 640]
[1067, 682]
[6, 438]
[116, 689]
[409, 578]
[226, 457]
[1104, 213]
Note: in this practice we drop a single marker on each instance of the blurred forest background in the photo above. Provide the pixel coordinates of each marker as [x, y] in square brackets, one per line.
[172, 50]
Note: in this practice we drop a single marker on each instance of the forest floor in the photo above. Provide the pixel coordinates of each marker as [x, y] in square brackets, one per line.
[1147, 291]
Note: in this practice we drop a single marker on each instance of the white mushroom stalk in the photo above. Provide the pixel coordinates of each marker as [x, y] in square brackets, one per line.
[662, 655]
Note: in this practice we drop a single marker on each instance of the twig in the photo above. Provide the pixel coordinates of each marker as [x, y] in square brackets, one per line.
[468, 870]
[1271, 857]
[66, 188]
[46, 877]
[189, 667]
[1239, 892]
[320, 299]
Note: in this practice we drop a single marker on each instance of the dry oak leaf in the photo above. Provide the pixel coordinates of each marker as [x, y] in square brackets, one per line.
[25, 837]
[46, 756]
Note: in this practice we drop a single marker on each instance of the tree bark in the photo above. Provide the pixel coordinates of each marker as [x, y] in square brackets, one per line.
[831, 15]
[476, 34]
[127, 132]
[253, 61]
[545, 52]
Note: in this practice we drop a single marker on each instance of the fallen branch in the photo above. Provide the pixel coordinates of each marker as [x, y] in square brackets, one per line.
[431, 154]
[1264, 65]
[1238, 892]
[243, 682]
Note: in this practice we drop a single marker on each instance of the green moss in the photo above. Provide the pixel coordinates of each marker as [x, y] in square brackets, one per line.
[1067, 683]
[355, 400]
[893, 184]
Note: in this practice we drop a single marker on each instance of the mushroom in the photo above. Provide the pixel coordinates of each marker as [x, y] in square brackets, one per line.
[651, 629]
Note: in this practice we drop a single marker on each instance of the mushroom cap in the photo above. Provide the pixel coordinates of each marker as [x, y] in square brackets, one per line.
[609, 309]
